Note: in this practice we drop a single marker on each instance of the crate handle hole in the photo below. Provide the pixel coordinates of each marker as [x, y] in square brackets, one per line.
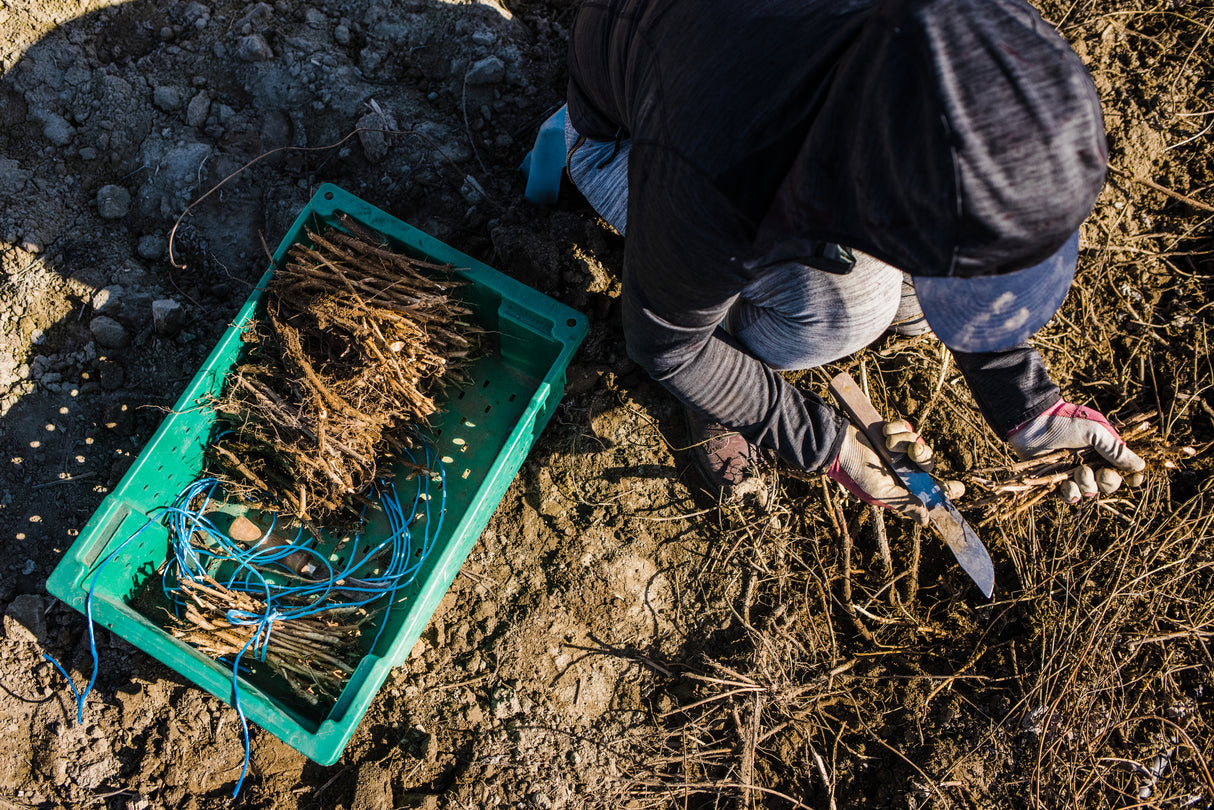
[488, 408]
[571, 322]
[329, 196]
[485, 384]
[512, 397]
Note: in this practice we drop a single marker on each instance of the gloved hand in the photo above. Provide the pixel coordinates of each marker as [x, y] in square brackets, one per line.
[1075, 427]
[901, 437]
[863, 473]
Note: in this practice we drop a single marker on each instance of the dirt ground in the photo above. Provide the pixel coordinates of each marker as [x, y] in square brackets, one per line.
[615, 638]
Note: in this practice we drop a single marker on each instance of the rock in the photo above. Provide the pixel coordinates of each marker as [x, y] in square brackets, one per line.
[372, 137]
[489, 70]
[167, 98]
[108, 333]
[315, 18]
[168, 317]
[152, 246]
[25, 619]
[198, 109]
[113, 202]
[257, 16]
[245, 531]
[176, 170]
[341, 35]
[12, 177]
[120, 302]
[123, 120]
[56, 129]
[254, 48]
[471, 191]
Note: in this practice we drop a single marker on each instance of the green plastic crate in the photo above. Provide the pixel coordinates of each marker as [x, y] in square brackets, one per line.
[484, 433]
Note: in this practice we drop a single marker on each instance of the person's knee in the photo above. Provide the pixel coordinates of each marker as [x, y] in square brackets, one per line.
[789, 344]
[799, 317]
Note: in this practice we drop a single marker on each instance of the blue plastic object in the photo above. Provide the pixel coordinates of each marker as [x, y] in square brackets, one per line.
[544, 163]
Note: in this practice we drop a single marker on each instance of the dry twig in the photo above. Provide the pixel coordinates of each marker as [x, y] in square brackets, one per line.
[343, 368]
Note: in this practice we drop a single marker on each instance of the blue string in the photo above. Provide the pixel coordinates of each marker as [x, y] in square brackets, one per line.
[251, 567]
[88, 613]
[328, 588]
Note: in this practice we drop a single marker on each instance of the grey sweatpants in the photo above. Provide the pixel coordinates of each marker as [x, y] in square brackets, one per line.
[791, 317]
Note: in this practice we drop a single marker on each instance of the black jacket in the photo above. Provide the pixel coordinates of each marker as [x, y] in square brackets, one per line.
[720, 99]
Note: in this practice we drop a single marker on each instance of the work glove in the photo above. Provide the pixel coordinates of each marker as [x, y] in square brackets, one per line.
[862, 472]
[901, 437]
[1075, 427]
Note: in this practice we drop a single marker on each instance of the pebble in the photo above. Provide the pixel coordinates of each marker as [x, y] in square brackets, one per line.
[25, 621]
[12, 176]
[168, 317]
[489, 70]
[256, 17]
[57, 130]
[108, 333]
[152, 246]
[107, 299]
[198, 109]
[374, 141]
[341, 35]
[113, 202]
[168, 98]
[254, 48]
[244, 530]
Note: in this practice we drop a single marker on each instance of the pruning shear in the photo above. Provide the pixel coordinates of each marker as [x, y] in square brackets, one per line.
[971, 554]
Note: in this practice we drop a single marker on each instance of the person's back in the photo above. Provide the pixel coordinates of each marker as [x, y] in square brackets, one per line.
[777, 165]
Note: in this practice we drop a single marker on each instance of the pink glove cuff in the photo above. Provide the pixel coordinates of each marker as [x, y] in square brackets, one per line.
[836, 473]
[1066, 410]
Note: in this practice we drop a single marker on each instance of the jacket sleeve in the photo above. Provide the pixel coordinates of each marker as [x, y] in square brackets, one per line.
[683, 269]
[1010, 386]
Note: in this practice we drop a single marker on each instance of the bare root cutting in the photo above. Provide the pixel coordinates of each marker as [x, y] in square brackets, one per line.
[315, 654]
[355, 344]
[1010, 490]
